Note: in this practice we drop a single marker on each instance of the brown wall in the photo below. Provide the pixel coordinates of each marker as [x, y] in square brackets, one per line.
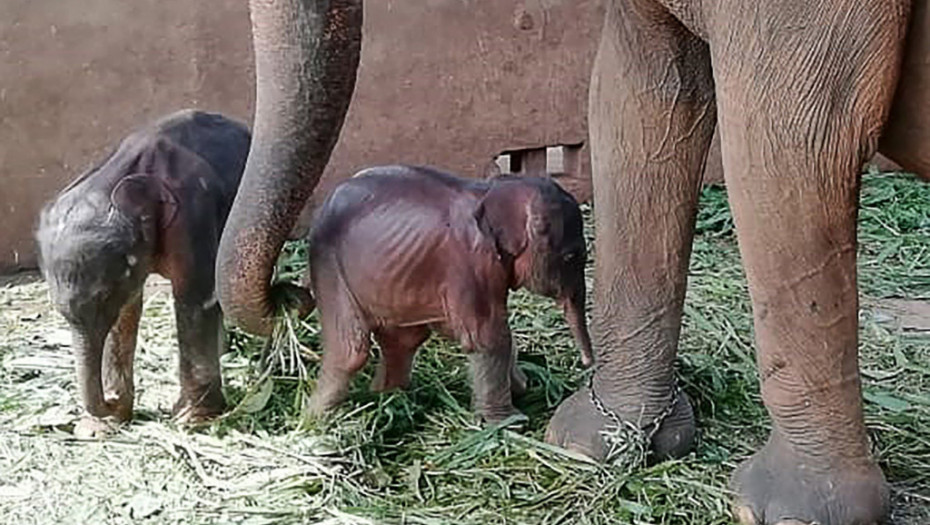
[452, 83]
[76, 76]
[458, 82]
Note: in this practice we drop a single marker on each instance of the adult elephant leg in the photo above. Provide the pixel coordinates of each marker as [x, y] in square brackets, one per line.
[651, 119]
[802, 96]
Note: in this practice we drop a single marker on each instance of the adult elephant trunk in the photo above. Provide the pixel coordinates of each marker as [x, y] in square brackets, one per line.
[573, 306]
[306, 59]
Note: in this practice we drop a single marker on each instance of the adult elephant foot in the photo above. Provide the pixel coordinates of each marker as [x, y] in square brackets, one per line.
[579, 426]
[777, 486]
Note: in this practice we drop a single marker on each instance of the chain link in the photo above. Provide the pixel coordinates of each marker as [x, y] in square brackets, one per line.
[628, 444]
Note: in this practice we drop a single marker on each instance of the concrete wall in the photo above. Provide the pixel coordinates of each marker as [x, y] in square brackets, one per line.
[77, 76]
[452, 83]
[455, 83]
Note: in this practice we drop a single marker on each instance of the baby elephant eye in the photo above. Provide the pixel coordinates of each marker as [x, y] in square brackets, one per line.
[568, 257]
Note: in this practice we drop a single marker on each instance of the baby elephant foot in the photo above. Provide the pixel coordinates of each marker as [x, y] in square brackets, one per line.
[92, 427]
[102, 418]
[382, 384]
[332, 388]
[120, 406]
[496, 410]
[192, 409]
[493, 408]
[578, 425]
[324, 400]
[386, 379]
[777, 487]
[518, 419]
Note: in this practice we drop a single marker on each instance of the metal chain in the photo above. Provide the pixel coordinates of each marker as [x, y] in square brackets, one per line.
[628, 444]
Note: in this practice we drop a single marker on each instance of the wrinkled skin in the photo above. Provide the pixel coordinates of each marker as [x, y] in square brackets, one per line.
[803, 92]
[398, 251]
[306, 58]
[155, 205]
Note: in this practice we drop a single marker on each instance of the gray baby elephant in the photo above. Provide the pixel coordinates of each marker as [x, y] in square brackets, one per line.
[157, 204]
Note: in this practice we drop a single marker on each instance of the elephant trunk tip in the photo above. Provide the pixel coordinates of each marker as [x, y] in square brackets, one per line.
[587, 358]
[574, 310]
[246, 301]
[292, 298]
[255, 316]
[255, 309]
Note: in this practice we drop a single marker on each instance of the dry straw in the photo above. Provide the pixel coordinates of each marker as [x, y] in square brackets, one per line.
[418, 456]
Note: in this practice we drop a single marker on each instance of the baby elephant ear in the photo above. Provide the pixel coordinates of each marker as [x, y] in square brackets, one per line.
[502, 216]
[145, 197]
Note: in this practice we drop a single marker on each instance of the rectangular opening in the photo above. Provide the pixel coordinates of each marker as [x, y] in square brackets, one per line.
[557, 161]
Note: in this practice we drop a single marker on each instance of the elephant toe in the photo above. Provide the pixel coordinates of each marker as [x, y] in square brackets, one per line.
[776, 487]
[576, 426]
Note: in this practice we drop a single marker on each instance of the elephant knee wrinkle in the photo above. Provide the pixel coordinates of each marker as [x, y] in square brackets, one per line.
[778, 363]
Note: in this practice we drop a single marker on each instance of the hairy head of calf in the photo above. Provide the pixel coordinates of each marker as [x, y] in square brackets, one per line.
[92, 255]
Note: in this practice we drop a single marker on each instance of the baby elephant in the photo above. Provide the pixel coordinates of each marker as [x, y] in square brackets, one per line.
[398, 251]
[156, 204]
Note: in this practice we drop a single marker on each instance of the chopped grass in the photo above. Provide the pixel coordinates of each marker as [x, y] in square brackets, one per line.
[418, 456]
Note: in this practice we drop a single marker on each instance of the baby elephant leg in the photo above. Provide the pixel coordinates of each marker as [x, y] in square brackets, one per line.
[346, 340]
[492, 364]
[200, 337]
[103, 358]
[398, 348]
[118, 354]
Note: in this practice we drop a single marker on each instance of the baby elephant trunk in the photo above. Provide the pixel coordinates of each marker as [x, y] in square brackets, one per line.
[88, 353]
[573, 305]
